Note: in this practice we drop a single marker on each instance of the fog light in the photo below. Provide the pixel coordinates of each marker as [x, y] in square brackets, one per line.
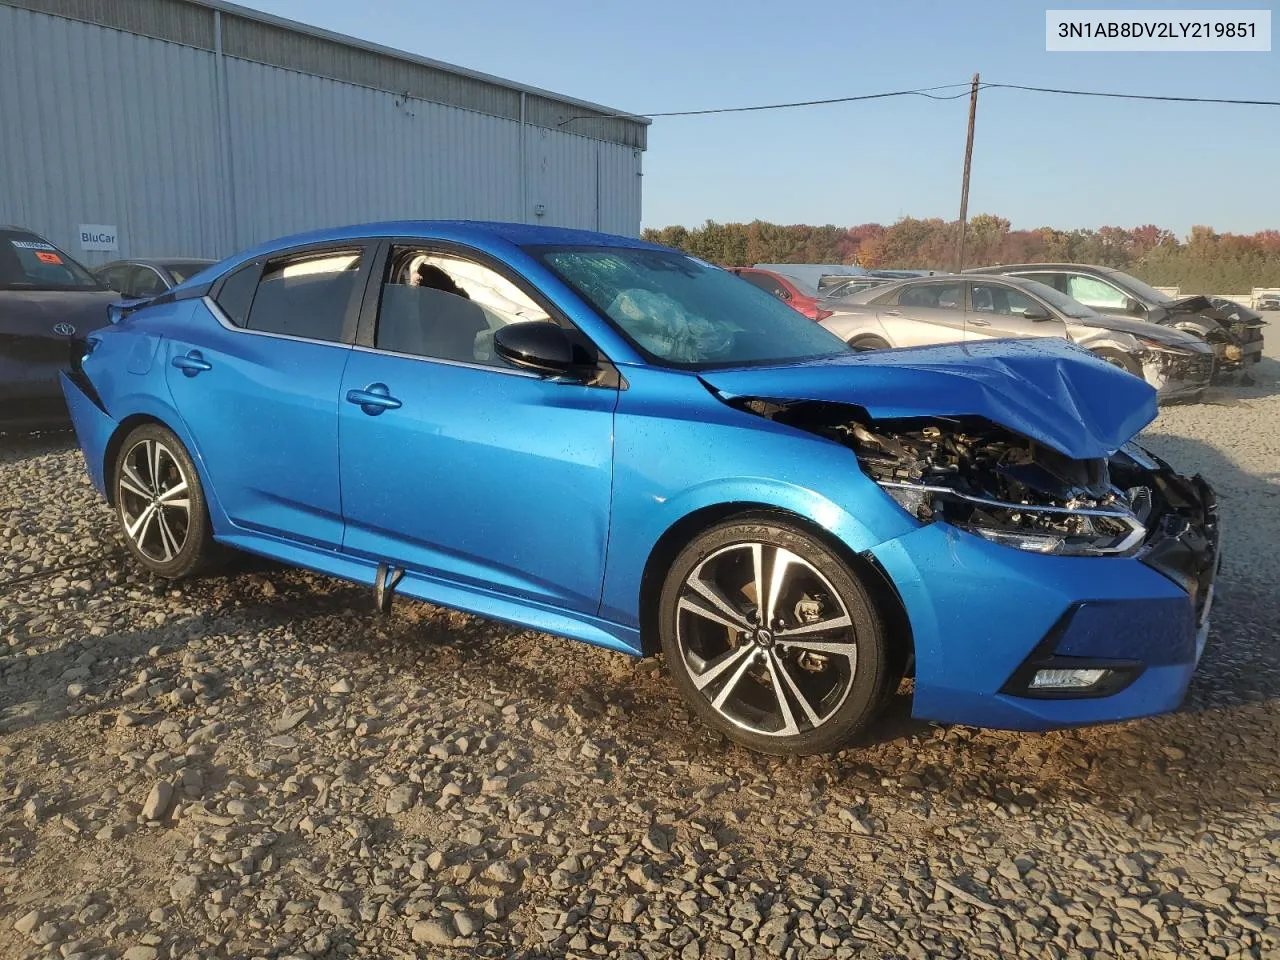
[1067, 679]
[1233, 352]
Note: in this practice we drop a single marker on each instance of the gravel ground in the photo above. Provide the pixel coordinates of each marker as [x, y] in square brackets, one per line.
[254, 765]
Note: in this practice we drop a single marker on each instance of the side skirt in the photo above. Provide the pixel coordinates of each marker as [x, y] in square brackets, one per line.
[484, 603]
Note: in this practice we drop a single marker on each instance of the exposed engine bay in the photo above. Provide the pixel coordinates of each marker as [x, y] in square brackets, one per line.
[1009, 489]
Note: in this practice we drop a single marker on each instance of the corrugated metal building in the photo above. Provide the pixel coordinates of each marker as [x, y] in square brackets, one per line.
[198, 128]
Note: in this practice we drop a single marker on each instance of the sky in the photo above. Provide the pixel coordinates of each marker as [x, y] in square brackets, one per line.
[1038, 159]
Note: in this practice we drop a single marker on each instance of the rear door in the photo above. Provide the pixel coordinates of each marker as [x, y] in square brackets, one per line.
[255, 376]
[997, 310]
[928, 312]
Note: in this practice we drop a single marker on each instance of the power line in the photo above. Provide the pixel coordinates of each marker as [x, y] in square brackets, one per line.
[929, 92]
[921, 92]
[1134, 96]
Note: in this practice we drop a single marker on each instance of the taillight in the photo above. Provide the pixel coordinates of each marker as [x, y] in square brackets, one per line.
[819, 314]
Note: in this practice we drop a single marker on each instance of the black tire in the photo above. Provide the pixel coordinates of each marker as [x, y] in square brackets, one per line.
[869, 342]
[168, 544]
[844, 685]
[1119, 359]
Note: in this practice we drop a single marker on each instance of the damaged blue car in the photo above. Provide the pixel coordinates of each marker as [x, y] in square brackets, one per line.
[600, 438]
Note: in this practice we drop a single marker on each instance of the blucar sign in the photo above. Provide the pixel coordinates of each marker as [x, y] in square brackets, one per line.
[98, 236]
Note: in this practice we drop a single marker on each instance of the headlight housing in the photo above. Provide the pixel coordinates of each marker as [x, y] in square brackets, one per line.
[1009, 490]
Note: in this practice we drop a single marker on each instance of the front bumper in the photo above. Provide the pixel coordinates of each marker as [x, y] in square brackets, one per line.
[1178, 376]
[983, 616]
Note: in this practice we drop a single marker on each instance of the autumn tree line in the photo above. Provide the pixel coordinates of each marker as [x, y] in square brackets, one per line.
[1206, 261]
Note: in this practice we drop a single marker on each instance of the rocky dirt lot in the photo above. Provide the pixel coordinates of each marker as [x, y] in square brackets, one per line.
[254, 765]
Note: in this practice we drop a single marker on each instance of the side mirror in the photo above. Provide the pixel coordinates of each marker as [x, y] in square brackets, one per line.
[1036, 314]
[1133, 306]
[541, 346]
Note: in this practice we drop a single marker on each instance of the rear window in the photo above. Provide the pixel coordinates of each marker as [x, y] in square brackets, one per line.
[181, 270]
[306, 296]
[29, 262]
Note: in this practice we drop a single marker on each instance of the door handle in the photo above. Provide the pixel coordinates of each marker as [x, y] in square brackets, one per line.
[979, 323]
[373, 399]
[192, 363]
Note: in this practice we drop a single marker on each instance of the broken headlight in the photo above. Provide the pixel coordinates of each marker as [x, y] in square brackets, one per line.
[1003, 487]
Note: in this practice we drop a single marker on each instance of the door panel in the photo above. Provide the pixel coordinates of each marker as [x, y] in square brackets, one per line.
[995, 311]
[926, 313]
[480, 475]
[263, 412]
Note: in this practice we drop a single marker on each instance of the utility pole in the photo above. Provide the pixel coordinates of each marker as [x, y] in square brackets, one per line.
[964, 185]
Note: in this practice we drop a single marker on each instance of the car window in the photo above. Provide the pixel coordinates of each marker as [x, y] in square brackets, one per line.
[306, 295]
[1056, 280]
[117, 277]
[998, 299]
[236, 293]
[181, 270]
[446, 307]
[768, 284]
[677, 310]
[145, 282]
[1093, 292]
[943, 296]
[29, 262]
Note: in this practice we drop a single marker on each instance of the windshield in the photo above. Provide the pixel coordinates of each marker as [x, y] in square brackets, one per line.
[180, 270]
[1059, 301]
[1140, 289]
[679, 311]
[29, 262]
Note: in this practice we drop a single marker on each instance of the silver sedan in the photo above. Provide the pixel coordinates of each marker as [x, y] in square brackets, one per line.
[951, 309]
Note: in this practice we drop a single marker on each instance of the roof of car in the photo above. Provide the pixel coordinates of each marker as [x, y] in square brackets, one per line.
[1001, 267]
[520, 234]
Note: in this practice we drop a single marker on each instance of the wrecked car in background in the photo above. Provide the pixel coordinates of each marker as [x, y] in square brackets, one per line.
[953, 309]
[1237, 344]
[703, 472]
[48, 303]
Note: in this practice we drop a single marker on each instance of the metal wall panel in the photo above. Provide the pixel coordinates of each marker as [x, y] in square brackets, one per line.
[107, 127]
[121, 129]
[310, 152]
[163, 19]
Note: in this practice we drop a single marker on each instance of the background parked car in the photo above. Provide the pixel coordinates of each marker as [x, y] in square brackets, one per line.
[1236, 344]
[831, 295]
[947, 309]
[48, 302]
[1269, 301]
[787, 289]
[149, 277]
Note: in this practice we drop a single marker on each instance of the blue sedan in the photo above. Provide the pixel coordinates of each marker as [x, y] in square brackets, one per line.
[609, 440]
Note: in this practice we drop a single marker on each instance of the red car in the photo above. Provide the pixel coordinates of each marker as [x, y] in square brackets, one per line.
[785, 289]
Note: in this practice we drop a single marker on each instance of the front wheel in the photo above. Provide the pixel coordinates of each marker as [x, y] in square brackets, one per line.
[771, 639]
[160, 503]
[1119, 359]
[869, 342]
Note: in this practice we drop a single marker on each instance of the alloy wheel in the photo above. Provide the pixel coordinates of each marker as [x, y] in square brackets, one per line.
[155, 501]
[766, 639]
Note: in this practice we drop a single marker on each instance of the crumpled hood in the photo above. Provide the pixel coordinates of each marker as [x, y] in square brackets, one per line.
[34, 313]
[1045, 389]
[1169, 336]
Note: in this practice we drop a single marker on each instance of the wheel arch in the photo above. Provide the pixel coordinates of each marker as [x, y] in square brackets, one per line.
[884, 594]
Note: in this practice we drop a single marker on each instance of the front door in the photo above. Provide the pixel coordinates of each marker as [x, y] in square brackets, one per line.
[257, 387]
[998, 310]
[455, 464]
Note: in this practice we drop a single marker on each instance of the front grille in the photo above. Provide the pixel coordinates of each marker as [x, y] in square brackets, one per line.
[1195, 369]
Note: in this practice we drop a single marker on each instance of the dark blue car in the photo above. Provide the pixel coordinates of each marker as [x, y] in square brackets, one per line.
[613, 441]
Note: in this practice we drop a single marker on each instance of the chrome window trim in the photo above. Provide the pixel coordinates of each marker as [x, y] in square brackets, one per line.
[508, 371]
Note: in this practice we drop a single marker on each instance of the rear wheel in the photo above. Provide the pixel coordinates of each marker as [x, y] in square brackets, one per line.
[869, 342]
[1118, 359]
[160, 503]
[772, 640]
